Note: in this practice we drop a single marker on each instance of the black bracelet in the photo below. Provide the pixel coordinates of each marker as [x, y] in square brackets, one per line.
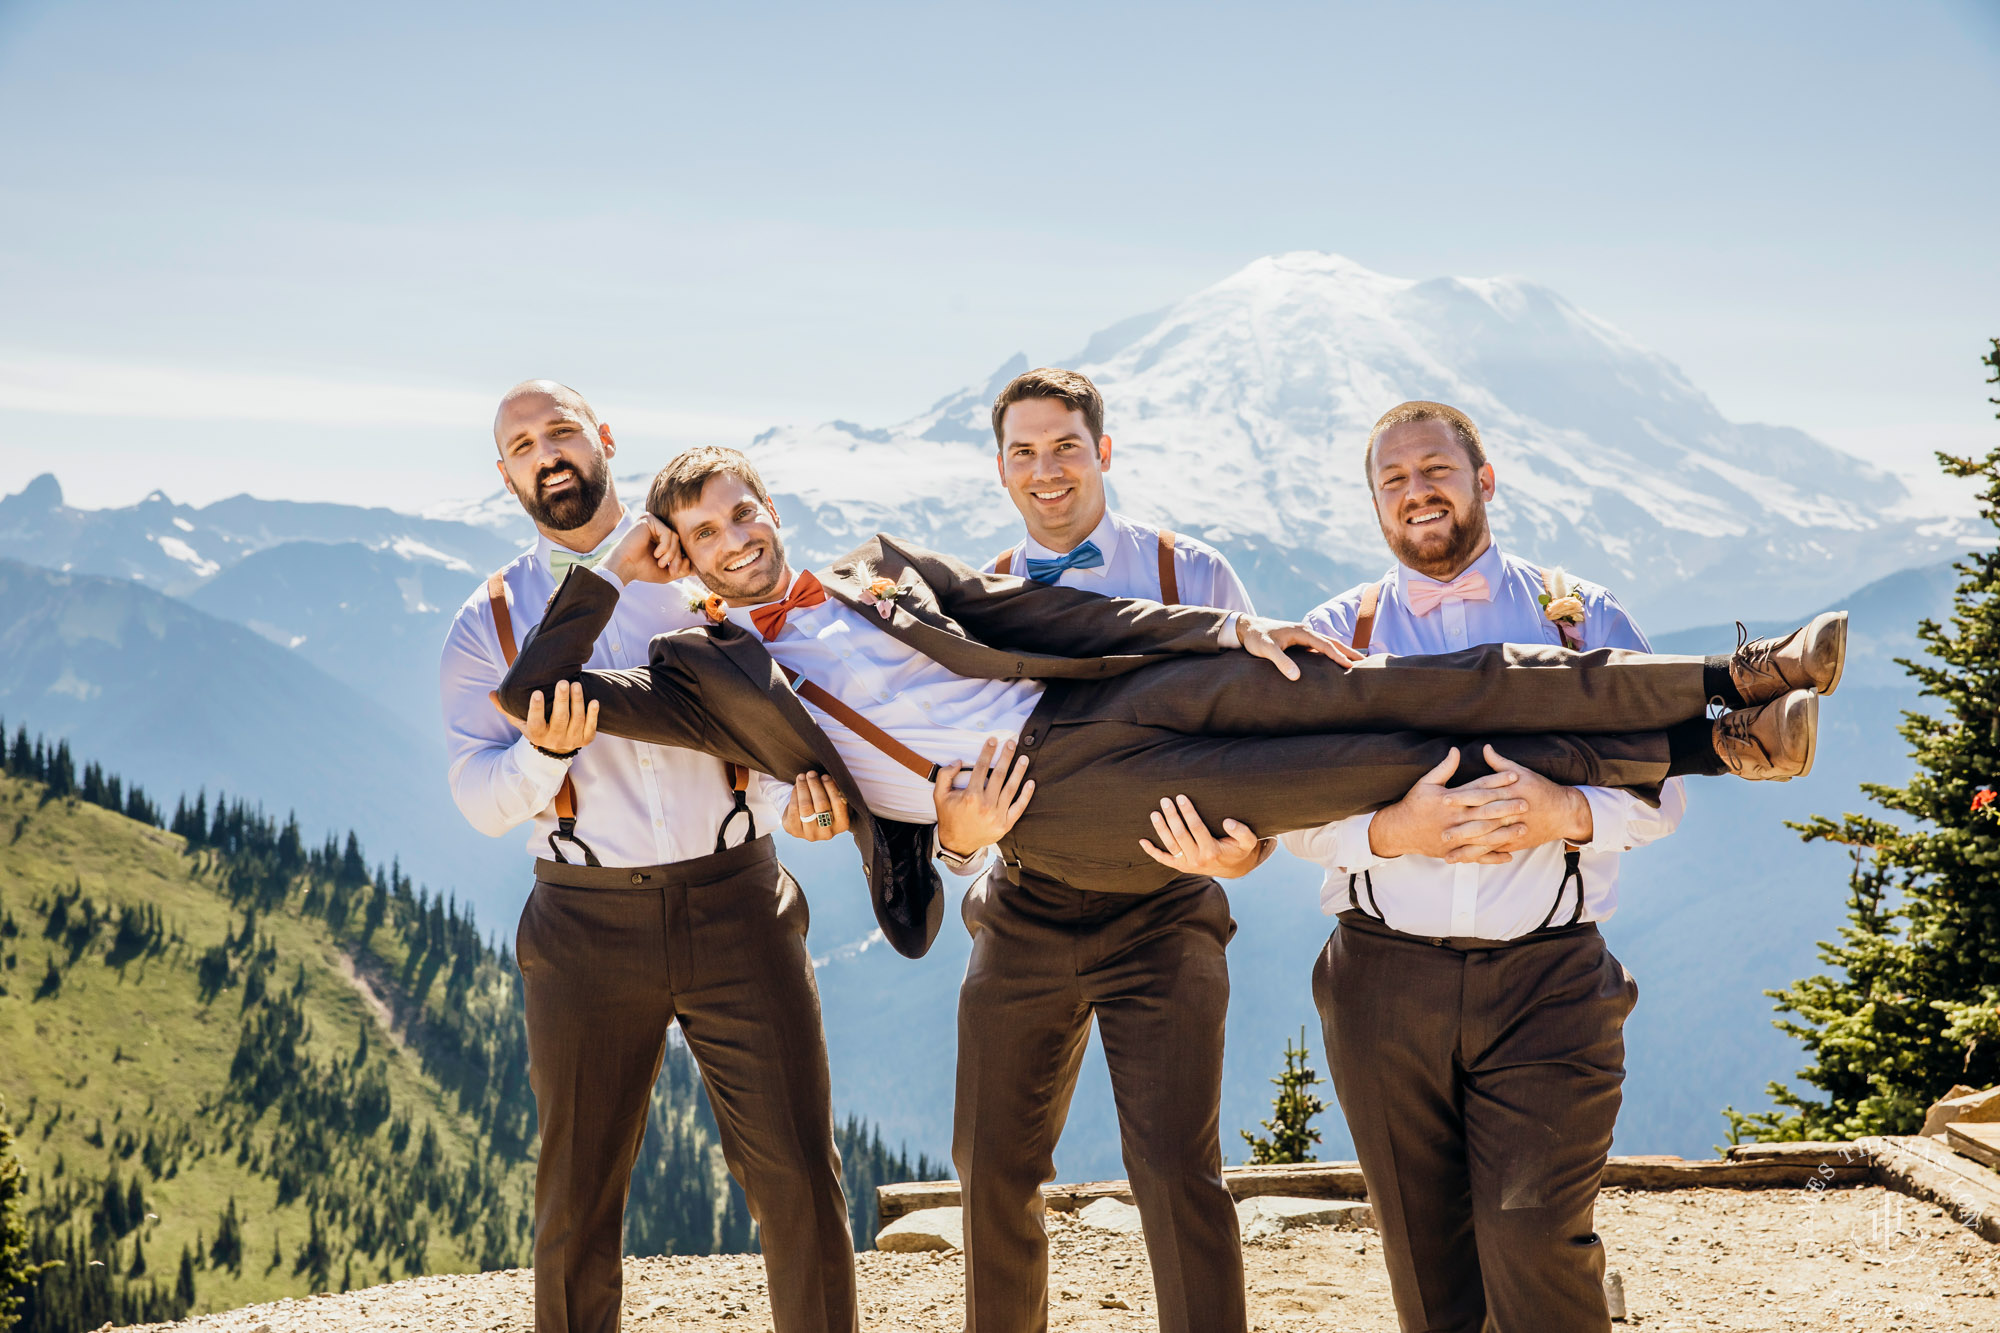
[558, 754]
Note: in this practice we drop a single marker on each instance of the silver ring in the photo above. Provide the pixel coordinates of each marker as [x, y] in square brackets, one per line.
[824, 819]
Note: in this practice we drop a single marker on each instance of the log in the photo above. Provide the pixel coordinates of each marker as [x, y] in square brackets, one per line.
[1926, 1169]
[1974, 1139]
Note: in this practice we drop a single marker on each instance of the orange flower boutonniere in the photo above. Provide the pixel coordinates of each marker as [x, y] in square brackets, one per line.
[881, 593]
[711, 607]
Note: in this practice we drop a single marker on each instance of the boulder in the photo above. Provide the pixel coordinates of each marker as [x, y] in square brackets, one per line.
[1266, 1215]
[1110, 1215]
[1962, 1103]
[925, 1229]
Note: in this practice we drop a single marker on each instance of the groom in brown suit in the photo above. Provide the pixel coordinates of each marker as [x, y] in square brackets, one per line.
[1115, 699]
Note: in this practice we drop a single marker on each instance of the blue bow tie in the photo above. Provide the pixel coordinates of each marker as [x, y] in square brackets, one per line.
[1086, 556]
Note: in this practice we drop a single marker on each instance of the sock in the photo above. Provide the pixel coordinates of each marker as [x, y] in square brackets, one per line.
[1715, 681]
[1691, 750]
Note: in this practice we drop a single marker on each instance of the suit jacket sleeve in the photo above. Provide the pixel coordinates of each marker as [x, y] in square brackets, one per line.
[656, 703]
[1007, 612]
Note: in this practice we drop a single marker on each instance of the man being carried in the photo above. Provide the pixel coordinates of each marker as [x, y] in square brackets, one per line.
[886, 673]
[655, 901]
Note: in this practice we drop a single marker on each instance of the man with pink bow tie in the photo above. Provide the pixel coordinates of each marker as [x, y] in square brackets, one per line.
[1473, 1016]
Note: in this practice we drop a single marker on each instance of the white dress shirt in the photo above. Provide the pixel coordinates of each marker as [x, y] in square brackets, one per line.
[936, 712]
[1424, 895]
[637, 804]
[1131, 567]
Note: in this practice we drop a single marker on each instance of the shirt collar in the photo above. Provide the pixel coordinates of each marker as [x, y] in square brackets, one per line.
[1105, 534]
[544, 548]
[1490, 564]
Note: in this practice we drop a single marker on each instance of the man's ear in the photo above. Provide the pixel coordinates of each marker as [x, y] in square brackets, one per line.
[1104, 453]
[1486, 482]
[506, 480]
[604, 438]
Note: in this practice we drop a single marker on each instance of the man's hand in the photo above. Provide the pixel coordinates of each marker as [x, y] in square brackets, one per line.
[981, 813]
[1553, 812]
[1449, 822]
[568, 724]
[649, 553]
[1193, 851]
[1269, 639]
[817, 810]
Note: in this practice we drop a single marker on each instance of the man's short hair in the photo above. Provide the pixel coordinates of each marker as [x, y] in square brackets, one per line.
[680, 483]
[1405, 413]
[1072, 390]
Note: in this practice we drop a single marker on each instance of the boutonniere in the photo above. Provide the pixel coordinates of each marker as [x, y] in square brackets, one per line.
[710, 607]
[881, 593]
[1562, 603]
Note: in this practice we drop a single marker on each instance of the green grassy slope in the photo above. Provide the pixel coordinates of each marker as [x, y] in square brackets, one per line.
[116, 1053]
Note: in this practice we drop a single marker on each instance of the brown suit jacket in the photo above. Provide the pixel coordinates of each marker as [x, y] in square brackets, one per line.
[718, 691]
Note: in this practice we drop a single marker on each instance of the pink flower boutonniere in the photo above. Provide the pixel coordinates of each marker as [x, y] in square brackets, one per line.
[881, 593]
[1563, 605]
[710, 607]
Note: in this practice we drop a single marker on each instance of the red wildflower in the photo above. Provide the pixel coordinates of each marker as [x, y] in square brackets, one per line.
[1981, 799]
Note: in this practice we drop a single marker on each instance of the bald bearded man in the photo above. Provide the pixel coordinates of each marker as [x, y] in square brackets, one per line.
[657, 899]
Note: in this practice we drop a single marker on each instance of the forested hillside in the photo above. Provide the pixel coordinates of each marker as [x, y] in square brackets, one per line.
[240, 1065]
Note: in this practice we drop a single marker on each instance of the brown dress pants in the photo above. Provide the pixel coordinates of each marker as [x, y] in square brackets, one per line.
[1046, 958]
[1243, 742]
[610, 958]
[1480, 1080]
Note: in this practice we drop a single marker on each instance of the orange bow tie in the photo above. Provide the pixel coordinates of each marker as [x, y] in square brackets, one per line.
[770, 618]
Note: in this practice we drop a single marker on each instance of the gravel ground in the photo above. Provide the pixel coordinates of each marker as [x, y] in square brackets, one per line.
[1853, 1259]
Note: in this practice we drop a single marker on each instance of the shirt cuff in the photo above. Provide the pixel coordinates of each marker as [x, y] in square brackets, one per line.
[538, 768]
[1351, 851]
[609, 577]
[1228, 635]
[1608, 812]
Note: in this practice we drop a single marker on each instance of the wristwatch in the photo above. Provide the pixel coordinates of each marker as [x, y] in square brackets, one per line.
[956, 861]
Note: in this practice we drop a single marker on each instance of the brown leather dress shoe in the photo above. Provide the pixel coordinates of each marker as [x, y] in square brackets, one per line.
[1773, 742]
[1806, 659]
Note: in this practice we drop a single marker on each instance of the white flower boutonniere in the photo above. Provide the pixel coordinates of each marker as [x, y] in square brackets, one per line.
[1563, 605]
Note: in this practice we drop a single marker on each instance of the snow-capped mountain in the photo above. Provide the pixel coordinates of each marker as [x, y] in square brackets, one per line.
[1239, 415]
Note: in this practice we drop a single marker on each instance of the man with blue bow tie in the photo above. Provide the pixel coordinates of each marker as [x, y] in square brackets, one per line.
[1049, 957]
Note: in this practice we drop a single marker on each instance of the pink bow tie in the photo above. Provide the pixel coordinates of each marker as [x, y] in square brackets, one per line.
[1426, 596]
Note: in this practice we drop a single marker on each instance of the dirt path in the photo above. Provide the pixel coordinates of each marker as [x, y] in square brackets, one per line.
[1858, 1259]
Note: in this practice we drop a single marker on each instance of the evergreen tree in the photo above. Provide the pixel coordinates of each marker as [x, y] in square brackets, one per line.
[1290, 1126]
[184, 1283]
[1913, 1009]
[15, 1270]
[227, 1249]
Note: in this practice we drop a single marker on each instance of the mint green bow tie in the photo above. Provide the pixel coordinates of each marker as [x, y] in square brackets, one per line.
[561, 559]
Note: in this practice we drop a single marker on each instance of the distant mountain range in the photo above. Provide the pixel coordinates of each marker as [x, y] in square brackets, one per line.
[290, 650]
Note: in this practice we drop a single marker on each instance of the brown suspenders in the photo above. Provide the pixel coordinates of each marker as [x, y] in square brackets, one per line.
[1364, 630]
[565, 802]
[1170, 585]
[862, 727]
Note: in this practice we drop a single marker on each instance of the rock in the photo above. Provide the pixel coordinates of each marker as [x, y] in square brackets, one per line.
[1110, 1215]
[925, 1229]
[1265, 1216]
[1614, 1292]
[1111, 1300]
[1962, 1103]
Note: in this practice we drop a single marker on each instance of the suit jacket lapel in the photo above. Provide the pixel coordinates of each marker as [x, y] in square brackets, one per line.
[747, 654]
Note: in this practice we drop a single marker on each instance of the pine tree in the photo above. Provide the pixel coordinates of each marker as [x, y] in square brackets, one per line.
[15, 1270]
[1915, 1006]
[1292, 1133]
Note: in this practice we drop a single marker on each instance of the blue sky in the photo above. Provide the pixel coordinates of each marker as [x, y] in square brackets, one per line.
[299, 250]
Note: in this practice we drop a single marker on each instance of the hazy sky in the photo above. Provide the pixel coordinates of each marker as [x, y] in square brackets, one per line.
[299, 251]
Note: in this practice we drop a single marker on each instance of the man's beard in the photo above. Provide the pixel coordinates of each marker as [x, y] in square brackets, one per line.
[1468, 533]
[577, 505]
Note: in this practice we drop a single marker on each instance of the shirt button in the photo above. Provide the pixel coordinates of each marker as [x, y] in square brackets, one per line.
[645, 763]
[617, 647]
[659, 823]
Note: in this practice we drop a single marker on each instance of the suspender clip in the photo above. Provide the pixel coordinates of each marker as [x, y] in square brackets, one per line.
[566, 830]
